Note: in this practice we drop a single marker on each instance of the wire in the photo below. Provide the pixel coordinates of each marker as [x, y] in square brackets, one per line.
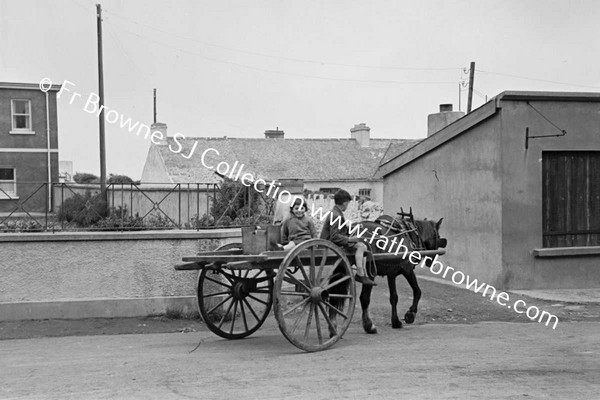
[538, 80]
[546, 118]
[282, 72]
[280, 57]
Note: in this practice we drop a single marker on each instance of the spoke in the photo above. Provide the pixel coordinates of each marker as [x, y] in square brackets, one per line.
[297, 322]
[217, 282]
[329, 322]
[345, 278]
[331, 272]
[233, 317]
[225, 315]
[215, 294]
[218, 305]
[244, 316]
[300, 303]
[246, 272]
[296, 281]
[341, 296]
[322, 266]
[336, 310]
[230, 278]
[266, 291]
[251, 310]
[308, 321]
[301, 268]
[259, 300]
[318, 324]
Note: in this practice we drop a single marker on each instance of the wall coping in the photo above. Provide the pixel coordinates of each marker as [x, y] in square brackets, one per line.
[566, 251]
[137, 235]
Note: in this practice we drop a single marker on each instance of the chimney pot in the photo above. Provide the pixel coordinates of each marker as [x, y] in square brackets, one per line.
[274, 134]
[445, 107]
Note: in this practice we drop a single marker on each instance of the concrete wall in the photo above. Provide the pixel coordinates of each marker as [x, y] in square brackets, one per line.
[461, 182]
[522, 191]
[68, 275]
[155, 170]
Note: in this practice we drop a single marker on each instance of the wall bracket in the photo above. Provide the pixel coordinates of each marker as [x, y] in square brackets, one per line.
[527, 137]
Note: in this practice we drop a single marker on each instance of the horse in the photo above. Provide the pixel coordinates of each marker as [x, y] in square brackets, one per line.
[424, 236]
[417, 235]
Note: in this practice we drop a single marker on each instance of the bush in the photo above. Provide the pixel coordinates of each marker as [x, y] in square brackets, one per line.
[118, 179]
[20, 225]
[237, 204]
[84, 177]
[83, 210]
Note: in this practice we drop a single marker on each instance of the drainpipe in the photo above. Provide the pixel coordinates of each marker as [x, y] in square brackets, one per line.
[49, 159]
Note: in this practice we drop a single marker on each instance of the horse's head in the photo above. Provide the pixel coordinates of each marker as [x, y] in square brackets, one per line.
[430, 234]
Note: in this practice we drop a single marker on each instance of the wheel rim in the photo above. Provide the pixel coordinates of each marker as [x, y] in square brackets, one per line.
[234, 303]
[314, 295]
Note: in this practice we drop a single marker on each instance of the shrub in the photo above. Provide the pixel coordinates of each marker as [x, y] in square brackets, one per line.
[118, 179]
[83, 210]
[84, 177]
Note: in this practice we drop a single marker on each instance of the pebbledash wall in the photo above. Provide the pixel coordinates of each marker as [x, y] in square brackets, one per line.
[478, 175]
[81, 275]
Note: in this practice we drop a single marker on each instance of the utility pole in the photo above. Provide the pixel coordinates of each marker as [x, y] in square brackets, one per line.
[471, 79]
[459, 100]
[101, 96]
[154, 105]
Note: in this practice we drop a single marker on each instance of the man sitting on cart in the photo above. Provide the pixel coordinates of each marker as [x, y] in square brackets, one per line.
[336, 231]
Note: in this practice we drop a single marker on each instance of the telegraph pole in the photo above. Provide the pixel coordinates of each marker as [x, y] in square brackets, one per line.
[101, 96]
[471, 79]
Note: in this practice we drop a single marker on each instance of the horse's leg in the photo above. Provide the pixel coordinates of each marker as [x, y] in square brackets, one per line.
[365, 300]
[411, 277]
[396, 323]
[333, 319]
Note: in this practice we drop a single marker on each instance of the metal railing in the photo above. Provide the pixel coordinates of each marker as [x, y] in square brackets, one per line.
[44, 206]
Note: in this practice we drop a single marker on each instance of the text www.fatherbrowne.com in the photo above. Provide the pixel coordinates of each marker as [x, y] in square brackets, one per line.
[458, 278]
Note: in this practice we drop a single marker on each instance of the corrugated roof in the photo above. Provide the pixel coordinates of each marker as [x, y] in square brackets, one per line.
[307, 159]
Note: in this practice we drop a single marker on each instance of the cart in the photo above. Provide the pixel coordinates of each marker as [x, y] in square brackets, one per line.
[310, 288]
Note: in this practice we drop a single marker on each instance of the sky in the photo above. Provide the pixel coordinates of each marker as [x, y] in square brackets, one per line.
[313, 68]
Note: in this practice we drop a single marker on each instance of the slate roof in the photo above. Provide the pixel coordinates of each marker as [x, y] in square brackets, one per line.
[274, 159]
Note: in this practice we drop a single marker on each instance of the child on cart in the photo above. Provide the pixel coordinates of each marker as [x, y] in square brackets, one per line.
[336, 231]
[297, 227]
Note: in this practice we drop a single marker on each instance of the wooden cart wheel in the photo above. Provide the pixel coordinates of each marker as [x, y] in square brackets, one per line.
[234, 303]
[314, 295]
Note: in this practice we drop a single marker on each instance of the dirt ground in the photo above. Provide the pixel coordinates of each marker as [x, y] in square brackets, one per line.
[439, 304]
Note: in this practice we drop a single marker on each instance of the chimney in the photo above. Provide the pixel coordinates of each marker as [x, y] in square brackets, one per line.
[361, 133]
[158, 138]
[274, 134]
[438, 121]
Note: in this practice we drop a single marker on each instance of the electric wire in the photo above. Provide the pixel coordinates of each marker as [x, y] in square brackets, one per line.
[282, 72]
[280, 57]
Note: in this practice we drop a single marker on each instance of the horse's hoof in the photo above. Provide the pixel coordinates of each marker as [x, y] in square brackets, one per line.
[409, 317]
[371, 329]
[397, 324]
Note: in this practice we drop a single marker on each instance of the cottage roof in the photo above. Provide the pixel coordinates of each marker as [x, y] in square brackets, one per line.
[306, 159]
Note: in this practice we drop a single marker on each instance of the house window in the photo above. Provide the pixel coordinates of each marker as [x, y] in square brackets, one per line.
[8, 184]
[21, 116]
[571, 198]
[364, 192]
